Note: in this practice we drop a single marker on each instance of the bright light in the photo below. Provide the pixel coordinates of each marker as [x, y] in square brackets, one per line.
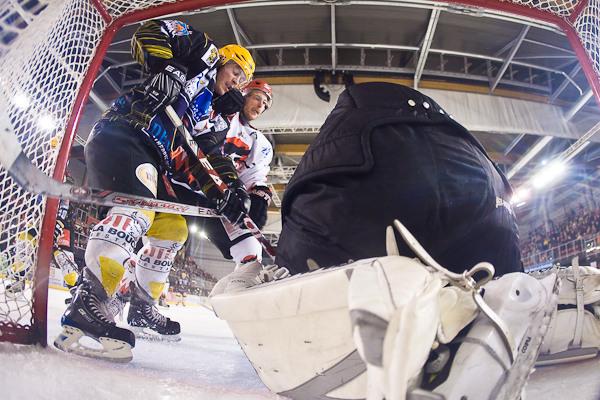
[203, 235]
[21, 101]
[46, 122]
[520, 196]
[551, 172]
[193, 228]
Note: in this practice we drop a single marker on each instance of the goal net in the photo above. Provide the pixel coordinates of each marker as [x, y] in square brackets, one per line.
[50, 53]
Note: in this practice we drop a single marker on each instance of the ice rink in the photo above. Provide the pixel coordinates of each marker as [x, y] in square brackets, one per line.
[206, 364]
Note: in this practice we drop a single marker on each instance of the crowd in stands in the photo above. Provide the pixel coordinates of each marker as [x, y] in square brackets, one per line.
[577, 224]
[187, 277]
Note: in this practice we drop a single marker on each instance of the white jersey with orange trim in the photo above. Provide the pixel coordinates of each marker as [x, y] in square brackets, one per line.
[247, 147]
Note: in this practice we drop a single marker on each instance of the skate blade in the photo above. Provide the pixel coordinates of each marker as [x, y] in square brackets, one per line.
[567, 356]
[531, 343]
[149, 334]
[112, 350]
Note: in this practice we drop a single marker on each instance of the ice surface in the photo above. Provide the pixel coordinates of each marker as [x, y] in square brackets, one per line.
[206, 364]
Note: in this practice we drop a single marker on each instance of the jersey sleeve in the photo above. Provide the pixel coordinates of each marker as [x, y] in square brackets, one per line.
[258, 163]
[157, 43]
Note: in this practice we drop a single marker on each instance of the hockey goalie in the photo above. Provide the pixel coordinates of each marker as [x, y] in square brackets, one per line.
[419, 316]
[393, 327]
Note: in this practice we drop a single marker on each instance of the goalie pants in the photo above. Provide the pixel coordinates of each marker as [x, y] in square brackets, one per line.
[388, 152]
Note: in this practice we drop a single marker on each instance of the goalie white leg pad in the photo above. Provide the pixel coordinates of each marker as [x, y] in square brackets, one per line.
[297, 333]
[525, 305]
[395, 313]
[112, 349]
[574, 332]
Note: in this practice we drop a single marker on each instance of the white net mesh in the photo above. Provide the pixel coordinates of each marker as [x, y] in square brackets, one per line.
[587, 26]
[46, 48]
[563, 8]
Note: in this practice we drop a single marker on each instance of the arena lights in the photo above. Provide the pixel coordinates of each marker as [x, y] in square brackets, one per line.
[203, 235]
[46, 122]
[551, 172]
[520, 196]
[193, 228]
[21, 101]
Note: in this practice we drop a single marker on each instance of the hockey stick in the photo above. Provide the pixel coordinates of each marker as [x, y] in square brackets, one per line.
[193, 146]
[33, 180]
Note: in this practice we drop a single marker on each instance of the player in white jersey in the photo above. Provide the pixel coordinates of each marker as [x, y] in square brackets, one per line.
[251, 153]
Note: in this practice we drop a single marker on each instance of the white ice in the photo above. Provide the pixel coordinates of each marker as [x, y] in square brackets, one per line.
[206, 364]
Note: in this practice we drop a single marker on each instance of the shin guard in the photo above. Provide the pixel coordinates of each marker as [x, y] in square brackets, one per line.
[112, 242]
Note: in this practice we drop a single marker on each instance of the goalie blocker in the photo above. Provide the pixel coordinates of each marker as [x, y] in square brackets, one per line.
[367, 330]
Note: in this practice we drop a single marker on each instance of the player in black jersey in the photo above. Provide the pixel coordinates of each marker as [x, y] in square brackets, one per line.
[130, 149]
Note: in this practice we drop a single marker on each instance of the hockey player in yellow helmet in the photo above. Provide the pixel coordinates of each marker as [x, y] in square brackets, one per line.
[189, 73]
[241, 56]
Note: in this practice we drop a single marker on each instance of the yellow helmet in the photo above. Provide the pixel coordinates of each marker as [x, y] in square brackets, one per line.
[241, 56]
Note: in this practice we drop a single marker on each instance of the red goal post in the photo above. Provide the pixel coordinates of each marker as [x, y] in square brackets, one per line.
[50, 55]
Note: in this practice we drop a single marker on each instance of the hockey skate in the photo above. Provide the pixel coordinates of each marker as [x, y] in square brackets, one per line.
[87, 316]
[15, 289]
[147, 323]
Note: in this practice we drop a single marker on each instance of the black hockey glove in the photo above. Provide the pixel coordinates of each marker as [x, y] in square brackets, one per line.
[260, 197]
[163, 88]
[229, 103]
[234, 203]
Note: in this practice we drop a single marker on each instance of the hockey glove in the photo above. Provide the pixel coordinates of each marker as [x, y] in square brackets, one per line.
[249, 275]
[234, 203]
[163, 88]
[229, 103]
[273, 272]
[260, 197]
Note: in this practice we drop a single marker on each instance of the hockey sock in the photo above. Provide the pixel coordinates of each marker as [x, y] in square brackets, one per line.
[112, 242]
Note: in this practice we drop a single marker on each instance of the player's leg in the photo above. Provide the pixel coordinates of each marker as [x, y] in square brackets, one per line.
[65, 260]
[22, 258]
[117, 159]
[235, 244]
[153, 265]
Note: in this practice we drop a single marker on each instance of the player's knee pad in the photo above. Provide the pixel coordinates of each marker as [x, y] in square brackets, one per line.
[246, 250]
[112, 242]
[153, 264]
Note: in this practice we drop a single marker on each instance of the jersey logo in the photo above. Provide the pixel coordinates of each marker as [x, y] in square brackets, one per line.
[177, 28]
[211, 56]
[266, 151]
[199, 107]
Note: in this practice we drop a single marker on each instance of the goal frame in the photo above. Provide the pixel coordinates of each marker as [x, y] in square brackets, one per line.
[37, 333]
